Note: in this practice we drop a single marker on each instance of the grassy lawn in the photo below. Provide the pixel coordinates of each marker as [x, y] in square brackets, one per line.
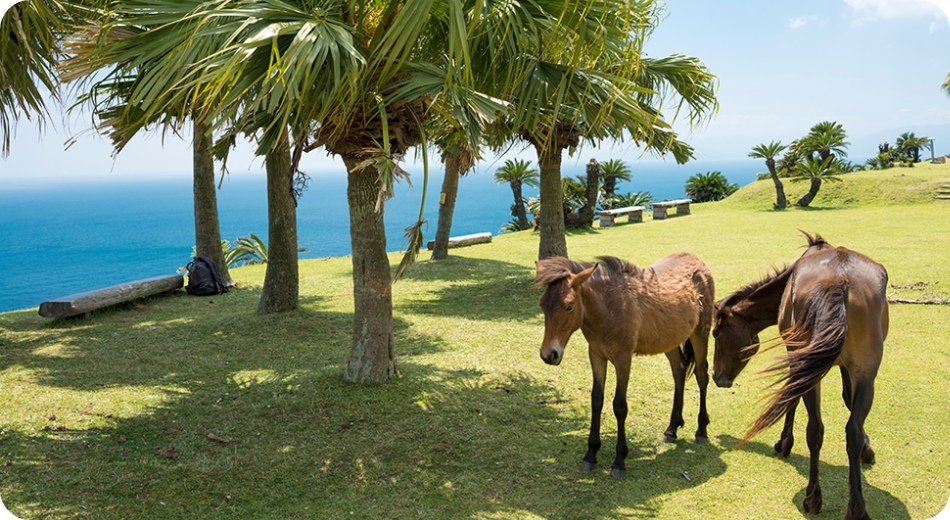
[109, 417]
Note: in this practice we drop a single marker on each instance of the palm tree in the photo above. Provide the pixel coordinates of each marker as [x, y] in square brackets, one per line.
[909, 145]
[826, 139]
[28, 57]
[815, 170]
[769, 152]
[113, 59]
[592, 182]
[360, 80]
[612, 171]
[616, 94]
[518, 173]
[709, 187]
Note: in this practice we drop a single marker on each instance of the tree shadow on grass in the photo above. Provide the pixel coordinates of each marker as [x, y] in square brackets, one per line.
[209, 417]
[473, 288]
[834, 484]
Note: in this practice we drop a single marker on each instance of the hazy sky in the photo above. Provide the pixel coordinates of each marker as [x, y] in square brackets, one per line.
[875, 66]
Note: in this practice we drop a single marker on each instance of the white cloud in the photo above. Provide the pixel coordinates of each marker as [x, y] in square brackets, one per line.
[801, 21]
[879, 10]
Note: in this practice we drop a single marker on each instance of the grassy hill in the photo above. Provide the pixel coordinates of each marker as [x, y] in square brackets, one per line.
[109, 417]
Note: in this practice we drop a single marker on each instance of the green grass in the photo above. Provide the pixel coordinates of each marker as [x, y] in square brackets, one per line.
[476, 426]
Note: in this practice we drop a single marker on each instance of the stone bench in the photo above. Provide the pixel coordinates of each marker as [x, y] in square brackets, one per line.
[86, 302]
[660, 208]
[634, 214]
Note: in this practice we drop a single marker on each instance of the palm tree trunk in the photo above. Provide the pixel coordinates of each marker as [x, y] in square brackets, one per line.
[553, 241]
[780, 200]
[517, 209]
[373, 352]
[207, 229]
[281, 277]
[450, 189]
[812, 191]
[610, 184]
[586, 212]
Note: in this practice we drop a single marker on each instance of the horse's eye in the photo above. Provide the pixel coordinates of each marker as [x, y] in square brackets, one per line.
[715, 333]
[569, 308]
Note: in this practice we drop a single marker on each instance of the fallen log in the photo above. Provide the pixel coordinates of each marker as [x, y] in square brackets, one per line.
[919, 302]
[465, 240]
[84, 302]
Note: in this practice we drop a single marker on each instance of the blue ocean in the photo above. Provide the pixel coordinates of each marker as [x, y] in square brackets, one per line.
[74, 237]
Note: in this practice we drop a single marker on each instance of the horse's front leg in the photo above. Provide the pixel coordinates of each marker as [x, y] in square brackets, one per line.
[700, 347]
[815, 434]
[598, 365]
[678, 365]
[863, 395]
[622, 368]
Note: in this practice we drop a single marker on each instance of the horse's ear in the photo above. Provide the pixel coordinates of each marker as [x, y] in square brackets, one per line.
[582, 276]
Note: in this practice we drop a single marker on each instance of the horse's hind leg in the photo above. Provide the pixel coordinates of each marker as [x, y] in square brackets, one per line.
[784, 445]
[678, 365]
[598, 365]
[815, 436]
[860, 407]
[867, 454]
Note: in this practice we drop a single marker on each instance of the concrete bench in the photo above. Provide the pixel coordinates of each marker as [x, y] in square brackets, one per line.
[464, 240]
[634, 214]
[86, 302]
[660, 208]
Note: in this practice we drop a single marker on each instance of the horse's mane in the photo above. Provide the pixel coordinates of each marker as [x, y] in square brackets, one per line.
[746, 290]
[816, 241]
[557, 268]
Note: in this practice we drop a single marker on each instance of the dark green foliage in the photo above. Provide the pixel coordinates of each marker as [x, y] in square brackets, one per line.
[640, 198]
[709, 187]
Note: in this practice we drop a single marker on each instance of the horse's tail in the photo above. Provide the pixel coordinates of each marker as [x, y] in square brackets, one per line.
[689, 357]
[814, 343]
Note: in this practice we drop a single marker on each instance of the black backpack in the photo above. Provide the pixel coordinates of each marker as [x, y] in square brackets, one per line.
[203, 278]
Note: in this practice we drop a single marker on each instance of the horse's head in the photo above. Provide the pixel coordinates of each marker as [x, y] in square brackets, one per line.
[736, 343]
[562, 305]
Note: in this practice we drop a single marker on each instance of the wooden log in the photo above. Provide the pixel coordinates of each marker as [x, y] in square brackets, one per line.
[465, 240]
[88, 301]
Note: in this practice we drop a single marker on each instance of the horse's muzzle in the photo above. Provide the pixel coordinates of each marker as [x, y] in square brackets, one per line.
[553, 356]
[722, 381]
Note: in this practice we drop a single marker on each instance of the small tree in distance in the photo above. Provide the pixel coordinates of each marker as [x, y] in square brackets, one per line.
[518, 173]
[709, 187]
[769, 152]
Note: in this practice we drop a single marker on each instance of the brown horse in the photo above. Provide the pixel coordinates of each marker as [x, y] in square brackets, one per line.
[624, 310]
[740, 317]
[832, 310]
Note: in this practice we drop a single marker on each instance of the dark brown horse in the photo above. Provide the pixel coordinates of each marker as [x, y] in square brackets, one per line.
[625, 311]
[831, 309]
[740, 317]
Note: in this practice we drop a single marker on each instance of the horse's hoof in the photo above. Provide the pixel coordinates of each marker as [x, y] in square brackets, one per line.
[618, 473]
[867, 456]
[669, 438]
[588, 466]
[702, 439]
[813, 503]
[851, 515]
[782, 449]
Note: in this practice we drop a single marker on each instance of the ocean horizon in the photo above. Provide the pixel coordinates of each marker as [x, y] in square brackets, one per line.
[78, 236]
